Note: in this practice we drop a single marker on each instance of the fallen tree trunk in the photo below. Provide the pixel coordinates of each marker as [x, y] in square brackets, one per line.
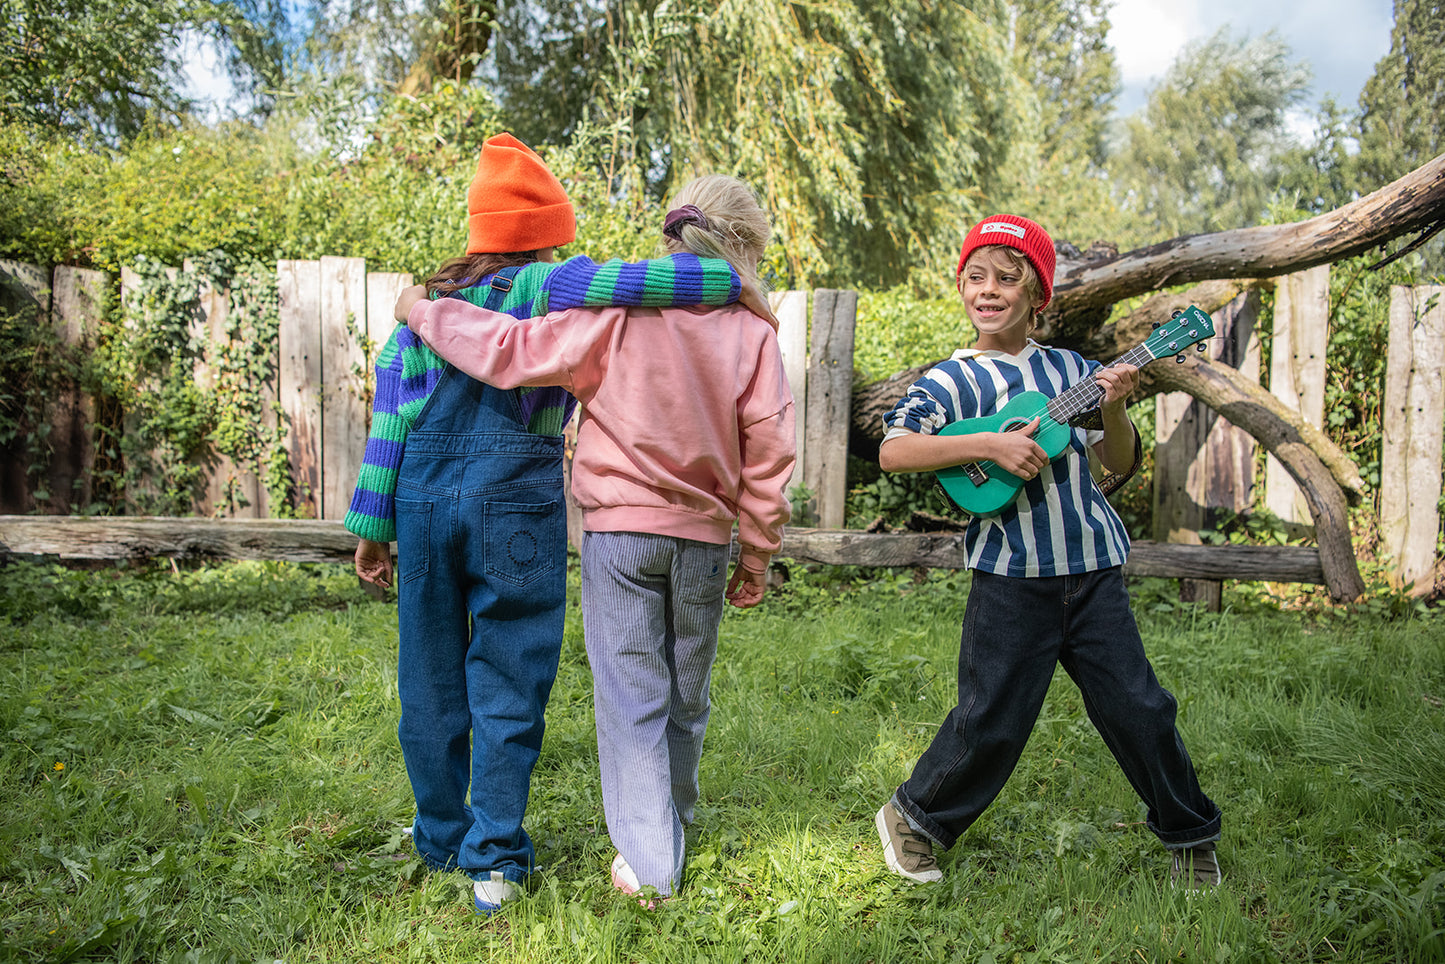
[944, 550]
[1413, 203]
[315, 540]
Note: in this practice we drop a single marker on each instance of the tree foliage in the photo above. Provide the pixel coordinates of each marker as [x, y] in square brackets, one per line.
[872, 129]
[76, 65]
[1402, 108]
[1206, 152]
[1061, 50]
[109, 67]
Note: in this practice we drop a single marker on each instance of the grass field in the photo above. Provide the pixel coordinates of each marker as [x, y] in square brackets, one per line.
[202, 766]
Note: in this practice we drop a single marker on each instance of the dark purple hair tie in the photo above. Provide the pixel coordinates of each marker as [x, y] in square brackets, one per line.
[677, 217]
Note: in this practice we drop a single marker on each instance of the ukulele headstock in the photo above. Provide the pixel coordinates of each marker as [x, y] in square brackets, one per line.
[1190, 326]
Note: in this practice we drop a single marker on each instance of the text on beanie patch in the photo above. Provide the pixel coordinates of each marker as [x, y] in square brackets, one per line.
[994, 227]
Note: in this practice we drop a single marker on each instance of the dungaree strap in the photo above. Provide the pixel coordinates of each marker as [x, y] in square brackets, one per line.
[500, 286]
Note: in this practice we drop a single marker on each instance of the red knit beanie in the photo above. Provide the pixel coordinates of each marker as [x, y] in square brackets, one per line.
[515, 203]
[1015, 232]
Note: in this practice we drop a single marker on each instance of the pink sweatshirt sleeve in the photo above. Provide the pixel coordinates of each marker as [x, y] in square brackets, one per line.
[508, 352]
[765, 415]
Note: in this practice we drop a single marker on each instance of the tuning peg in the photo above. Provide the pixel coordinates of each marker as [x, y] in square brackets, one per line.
[1156, 325]
[1179, 358]
[1176, 312]
[1199, 347]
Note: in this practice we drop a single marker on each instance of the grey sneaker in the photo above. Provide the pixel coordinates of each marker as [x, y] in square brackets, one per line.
[1195, 868]
[906, 851]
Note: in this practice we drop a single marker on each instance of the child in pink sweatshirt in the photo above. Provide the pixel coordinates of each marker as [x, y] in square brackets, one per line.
[687, 427]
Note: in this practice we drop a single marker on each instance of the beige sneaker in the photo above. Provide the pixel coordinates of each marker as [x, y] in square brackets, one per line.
[1196, 868]
[905, 850]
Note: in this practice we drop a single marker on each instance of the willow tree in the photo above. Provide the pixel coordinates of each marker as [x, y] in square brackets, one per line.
[874, 129]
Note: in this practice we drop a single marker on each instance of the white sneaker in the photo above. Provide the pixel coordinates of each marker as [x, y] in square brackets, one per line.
[623, 877]
[489, 895]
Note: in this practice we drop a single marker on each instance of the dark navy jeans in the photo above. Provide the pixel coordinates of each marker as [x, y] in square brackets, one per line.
[481, 552]
[1014, 631]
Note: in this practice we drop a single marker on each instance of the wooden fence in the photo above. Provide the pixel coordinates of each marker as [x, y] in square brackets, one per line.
[331, 312]
[1204, 465]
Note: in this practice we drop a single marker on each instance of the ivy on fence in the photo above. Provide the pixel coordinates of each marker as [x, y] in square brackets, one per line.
[176, 425]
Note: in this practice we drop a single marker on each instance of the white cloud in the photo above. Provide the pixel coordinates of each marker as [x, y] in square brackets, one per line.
[1341, 40]
[206, 80]
[1147, 35]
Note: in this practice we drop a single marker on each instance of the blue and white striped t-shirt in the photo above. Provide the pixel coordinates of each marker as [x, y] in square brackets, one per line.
[1060, 523]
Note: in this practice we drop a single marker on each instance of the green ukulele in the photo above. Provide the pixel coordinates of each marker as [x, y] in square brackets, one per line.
[982, 488]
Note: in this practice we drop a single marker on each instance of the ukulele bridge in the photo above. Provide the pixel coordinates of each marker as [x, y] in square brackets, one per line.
[974, 473]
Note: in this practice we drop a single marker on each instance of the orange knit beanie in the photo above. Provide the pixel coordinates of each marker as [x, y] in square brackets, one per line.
[515, 203]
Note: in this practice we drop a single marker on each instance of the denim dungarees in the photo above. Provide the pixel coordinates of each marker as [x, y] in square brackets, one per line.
[481, 558]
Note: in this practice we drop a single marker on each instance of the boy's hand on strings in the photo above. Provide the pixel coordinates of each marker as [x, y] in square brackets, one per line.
[753, 299]
[1017, 453]
[408, 297]
[746, 588]
[373, 562]
[1118, 383]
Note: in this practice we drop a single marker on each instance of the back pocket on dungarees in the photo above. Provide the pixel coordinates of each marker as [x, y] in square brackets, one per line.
[525, 540]
[413, 538]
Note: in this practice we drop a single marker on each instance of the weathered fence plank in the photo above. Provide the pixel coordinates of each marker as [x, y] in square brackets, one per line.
[326, 540]
[75, 310]
[230, 490]
[830, 396]
[1297, 373]
[382, 290]
[791, 309]
[344, 412]
[1413, 412]
[299, 375]
[1202, 463]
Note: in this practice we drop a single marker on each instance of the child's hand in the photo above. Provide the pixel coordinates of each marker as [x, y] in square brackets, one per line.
[408, 297]
[1017, 453]
[1118, 382]
[746, 588]
[753, 299]
[373, 562]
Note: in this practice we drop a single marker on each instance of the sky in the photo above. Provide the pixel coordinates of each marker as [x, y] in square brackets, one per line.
[1340, 39]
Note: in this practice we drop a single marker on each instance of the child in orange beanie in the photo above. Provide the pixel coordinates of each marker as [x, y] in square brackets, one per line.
[467, 479]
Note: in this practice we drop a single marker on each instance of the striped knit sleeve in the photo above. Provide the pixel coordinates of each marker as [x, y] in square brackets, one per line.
[373, 509]
[931, 403]
[679, 279]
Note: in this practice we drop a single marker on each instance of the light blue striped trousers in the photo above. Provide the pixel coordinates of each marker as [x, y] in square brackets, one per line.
[651, 606]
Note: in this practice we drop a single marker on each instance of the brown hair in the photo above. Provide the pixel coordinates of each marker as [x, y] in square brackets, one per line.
[469, 269]
[1028, 274]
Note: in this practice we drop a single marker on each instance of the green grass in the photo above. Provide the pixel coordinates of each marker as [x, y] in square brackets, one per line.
[202, 766]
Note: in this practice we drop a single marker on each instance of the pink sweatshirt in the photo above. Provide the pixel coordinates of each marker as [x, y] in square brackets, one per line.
[687, 421]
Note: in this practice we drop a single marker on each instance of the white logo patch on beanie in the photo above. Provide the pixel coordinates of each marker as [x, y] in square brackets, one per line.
[993, 227]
